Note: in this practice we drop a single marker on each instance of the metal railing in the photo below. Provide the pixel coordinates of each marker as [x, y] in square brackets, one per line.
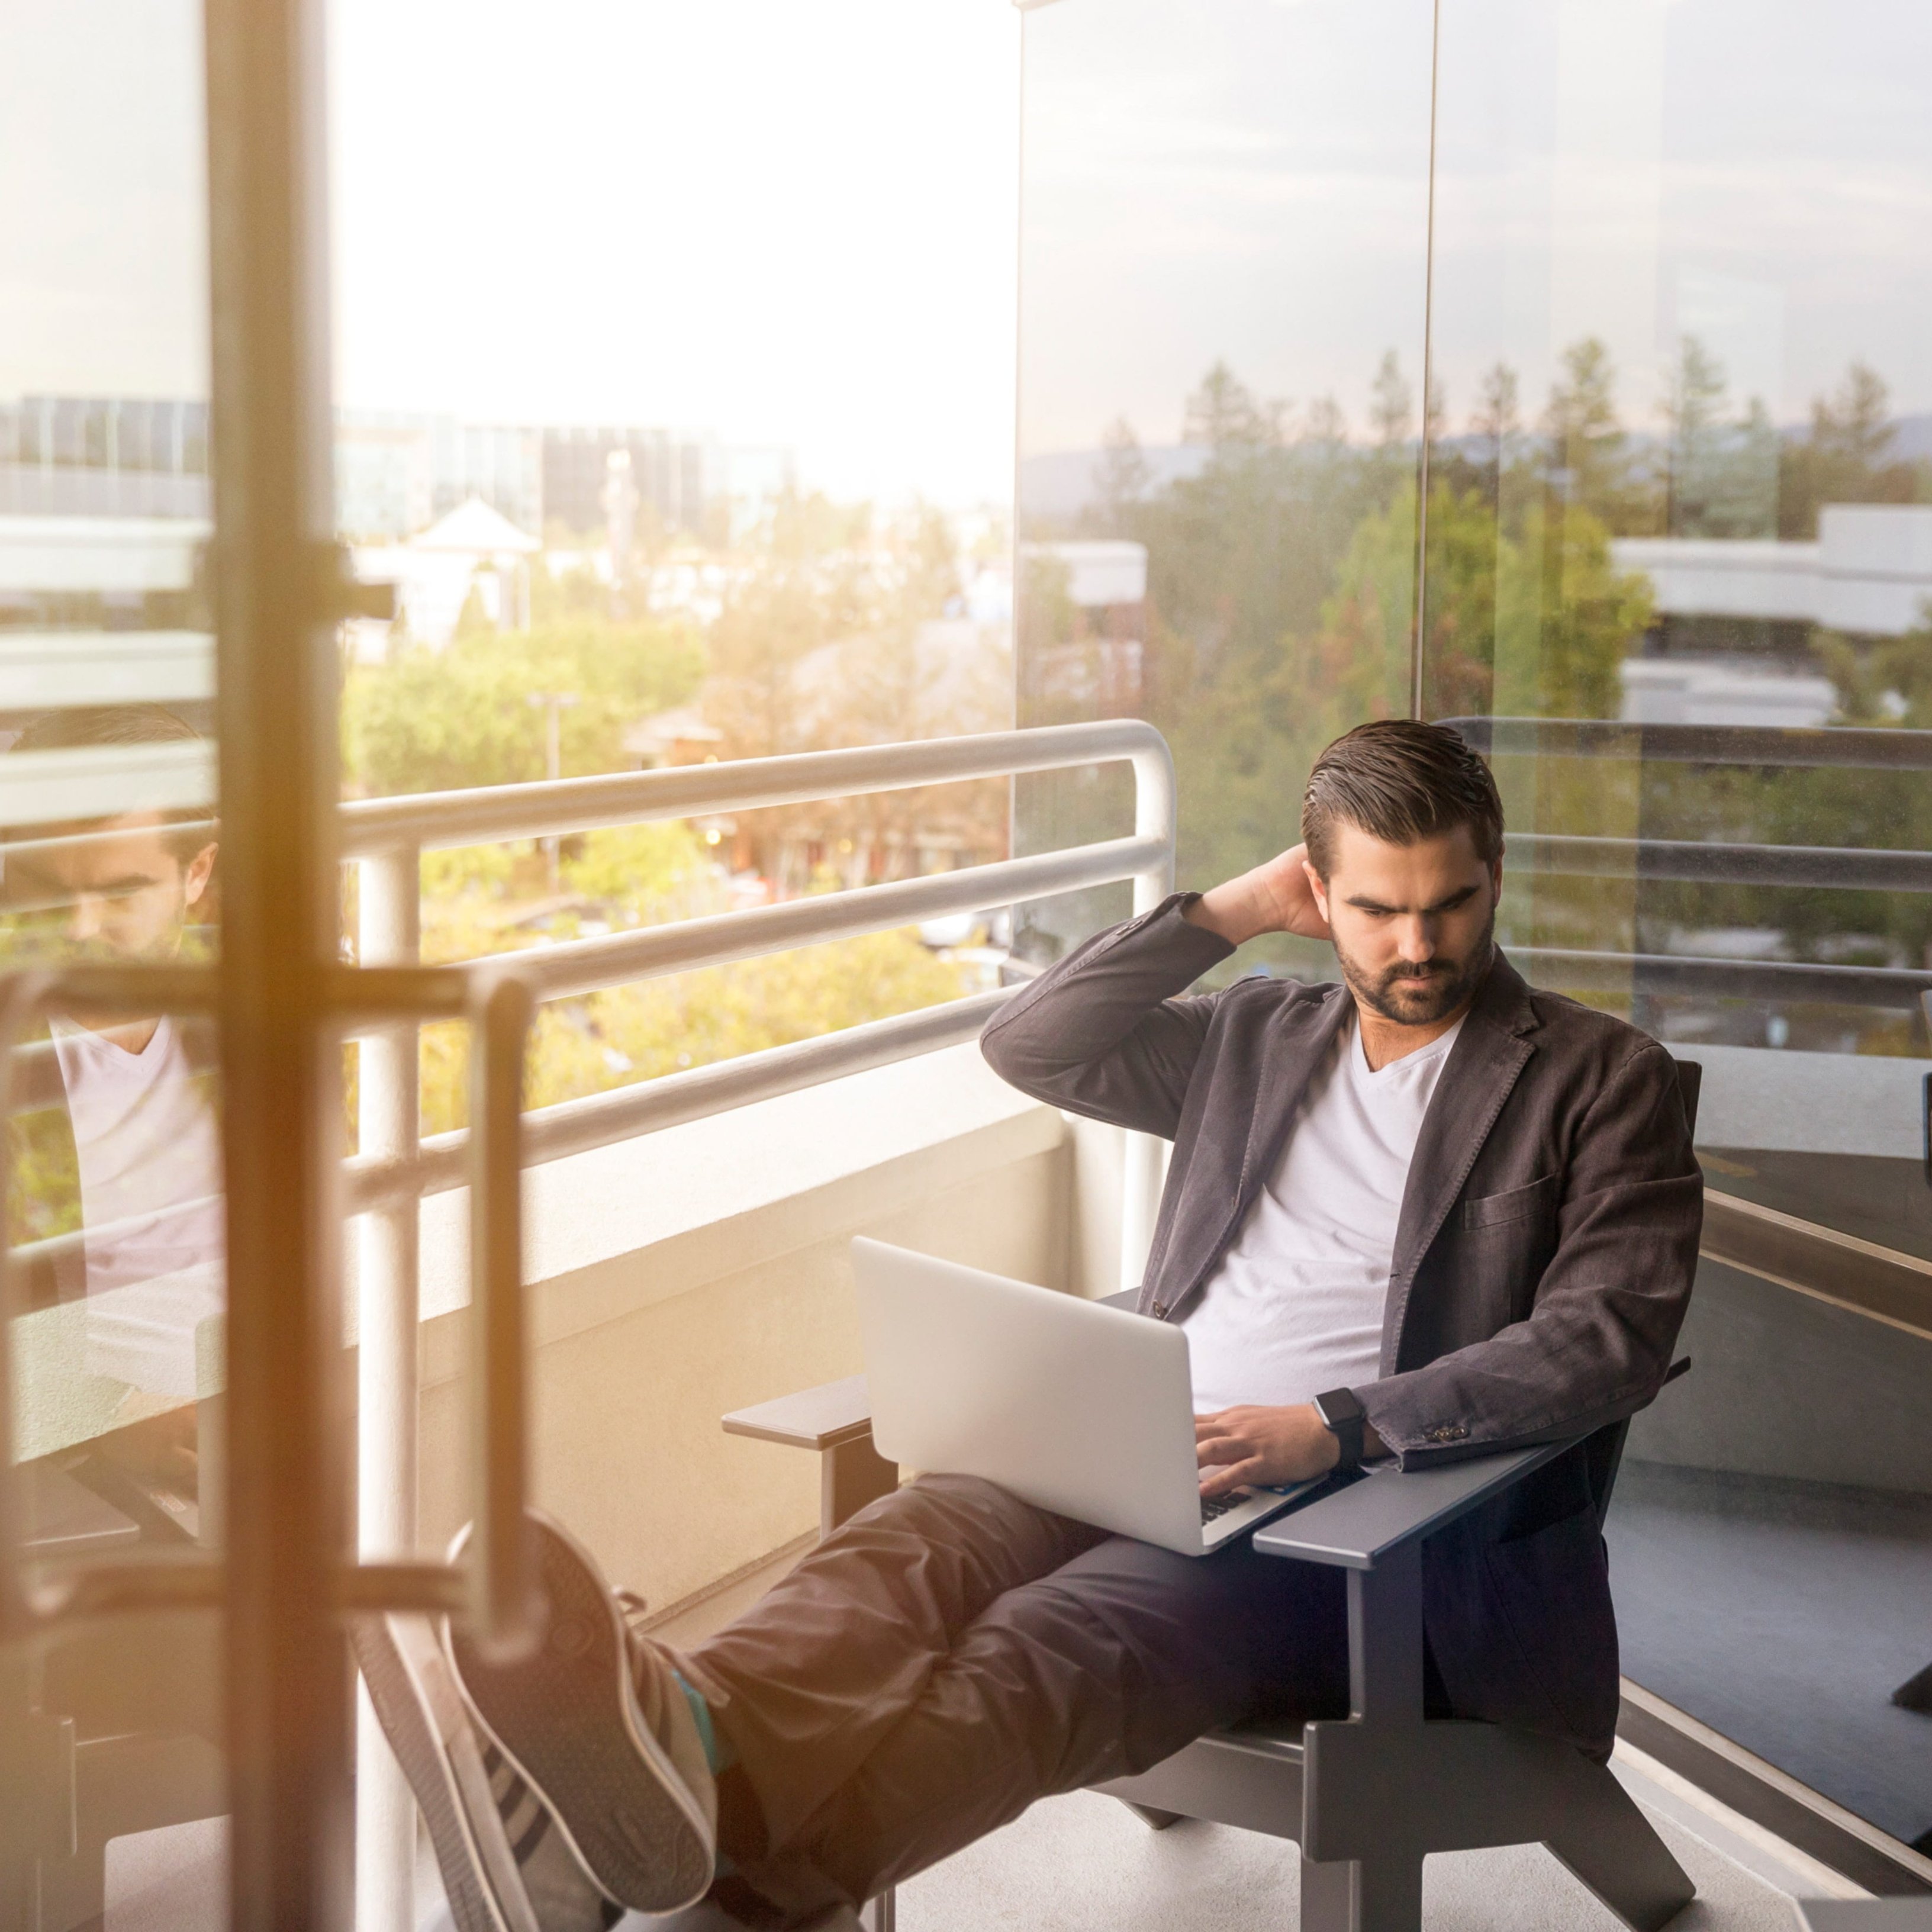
[394, 1167]
[1762, 747]
[382, 1004]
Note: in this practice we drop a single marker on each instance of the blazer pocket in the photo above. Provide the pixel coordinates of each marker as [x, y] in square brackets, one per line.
[1535, 1202]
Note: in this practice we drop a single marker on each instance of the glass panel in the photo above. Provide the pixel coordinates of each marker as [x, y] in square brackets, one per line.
[1684, 491]
[683, 436]
[1223, 228]
[653, 528]
[108, 853]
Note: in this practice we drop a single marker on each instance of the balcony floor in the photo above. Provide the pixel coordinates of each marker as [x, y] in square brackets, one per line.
[1085, 1864]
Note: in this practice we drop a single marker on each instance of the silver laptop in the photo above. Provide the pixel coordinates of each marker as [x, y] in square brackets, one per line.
[1080, 1409]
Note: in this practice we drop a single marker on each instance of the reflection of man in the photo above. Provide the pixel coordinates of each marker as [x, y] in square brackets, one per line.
[1428, 1212]
[116, 1141]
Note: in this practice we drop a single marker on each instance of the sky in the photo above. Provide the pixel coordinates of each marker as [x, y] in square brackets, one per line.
[1249, 180]
[794, 224]
[784, 223]
[781, 222]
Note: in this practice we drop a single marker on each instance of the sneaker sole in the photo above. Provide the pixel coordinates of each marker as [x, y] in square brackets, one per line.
[567, 1720]
[420, 1707]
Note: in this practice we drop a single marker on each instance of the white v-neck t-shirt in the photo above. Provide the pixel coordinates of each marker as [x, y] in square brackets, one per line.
[149, 1151]
[1295, 1308]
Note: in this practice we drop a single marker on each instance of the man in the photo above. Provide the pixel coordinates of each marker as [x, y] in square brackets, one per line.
[115, 1139]
[1466, 1210]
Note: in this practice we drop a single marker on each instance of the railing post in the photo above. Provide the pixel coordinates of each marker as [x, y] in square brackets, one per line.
[1144, 1160]
[388, 1124]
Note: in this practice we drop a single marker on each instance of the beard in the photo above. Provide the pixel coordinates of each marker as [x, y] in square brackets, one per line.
[1413, 995]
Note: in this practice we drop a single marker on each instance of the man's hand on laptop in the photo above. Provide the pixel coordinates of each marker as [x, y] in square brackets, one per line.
[1266, 1448]
[1273, 898]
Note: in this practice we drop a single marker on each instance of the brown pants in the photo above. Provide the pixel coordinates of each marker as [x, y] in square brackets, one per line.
[952, 1654]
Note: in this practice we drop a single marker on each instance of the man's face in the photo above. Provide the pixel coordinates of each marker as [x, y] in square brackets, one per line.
[123, 896]
[1413, 925]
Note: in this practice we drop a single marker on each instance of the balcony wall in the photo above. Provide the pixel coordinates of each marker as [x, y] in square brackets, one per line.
[693, 1271]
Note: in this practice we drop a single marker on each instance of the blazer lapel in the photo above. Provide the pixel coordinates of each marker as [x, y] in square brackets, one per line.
[1299, 1036]
[1482, 1067]
[1300, 1040]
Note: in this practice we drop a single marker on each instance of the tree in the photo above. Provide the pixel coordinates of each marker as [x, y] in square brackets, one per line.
[443, 720]
[1496, 422]
[1124, 475]
[1224, 415]
[1589, 453]
[1565, 616]
[1845, 459]
[1392, 404]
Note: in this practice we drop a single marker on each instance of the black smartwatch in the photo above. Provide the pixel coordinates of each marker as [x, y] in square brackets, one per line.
[1344, 1418]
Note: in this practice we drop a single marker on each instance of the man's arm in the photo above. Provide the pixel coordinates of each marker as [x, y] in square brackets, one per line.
[1275, 897]
[1104, 1034]
[1269, 1447]
[1597, 1345]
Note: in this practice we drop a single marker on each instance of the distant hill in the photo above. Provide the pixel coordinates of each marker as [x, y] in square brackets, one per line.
[1060, 484]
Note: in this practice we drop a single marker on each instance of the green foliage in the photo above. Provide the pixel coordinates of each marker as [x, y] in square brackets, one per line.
[1847, 457]
[1565, 618]
[647, 873]
[485, 870]
[636, 1033]
[437, 721]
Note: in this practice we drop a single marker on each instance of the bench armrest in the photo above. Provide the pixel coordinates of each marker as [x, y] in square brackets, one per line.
[834, 1413]
[835, 1419]
[824, 1417]
[1359, 1527]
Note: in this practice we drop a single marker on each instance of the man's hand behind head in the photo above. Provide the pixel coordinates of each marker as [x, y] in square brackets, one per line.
[1275, 897]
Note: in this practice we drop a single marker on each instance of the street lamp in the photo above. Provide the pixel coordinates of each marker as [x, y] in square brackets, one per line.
[556, 703]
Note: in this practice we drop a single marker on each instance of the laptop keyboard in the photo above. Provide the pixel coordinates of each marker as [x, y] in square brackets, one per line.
[1214, 1506]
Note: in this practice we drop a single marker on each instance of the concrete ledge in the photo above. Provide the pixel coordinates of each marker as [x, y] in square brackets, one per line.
[687, 1274]
[623, 1227]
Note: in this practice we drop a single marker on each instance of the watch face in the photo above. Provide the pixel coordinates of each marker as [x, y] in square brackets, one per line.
[1338, 1405]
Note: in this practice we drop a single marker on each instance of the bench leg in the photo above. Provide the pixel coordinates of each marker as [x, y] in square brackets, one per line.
[851, 1475]
[1381, 1894]
[1612, 1847]
[880, 1914]
[1362, 1894]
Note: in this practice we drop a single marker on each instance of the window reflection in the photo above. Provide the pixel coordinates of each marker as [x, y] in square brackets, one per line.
[1224, 222]
[1671, 492]
[1681, 488]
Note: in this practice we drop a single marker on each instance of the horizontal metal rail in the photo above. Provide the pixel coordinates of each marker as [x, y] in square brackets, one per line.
[601, 1119]
[590, 965]
[1821, 1261]
[1838, 867]
[1858, 748]
[389, 832]
[1889, 987]
[378, 830]
[563, 806]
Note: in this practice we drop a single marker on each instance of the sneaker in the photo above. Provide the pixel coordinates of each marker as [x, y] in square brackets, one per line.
[505, 1865]
[600, 1730]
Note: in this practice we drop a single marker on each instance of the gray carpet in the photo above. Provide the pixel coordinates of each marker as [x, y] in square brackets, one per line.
[1085, 1864]
[1784, 1614]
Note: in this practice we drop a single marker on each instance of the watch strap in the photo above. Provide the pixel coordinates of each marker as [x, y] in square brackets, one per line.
[1344, 1418]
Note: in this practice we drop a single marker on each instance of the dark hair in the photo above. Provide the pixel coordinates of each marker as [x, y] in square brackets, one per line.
[1400, 780]
[116, 724]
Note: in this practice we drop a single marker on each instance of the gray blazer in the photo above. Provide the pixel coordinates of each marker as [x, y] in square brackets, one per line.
[1543, 1254]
